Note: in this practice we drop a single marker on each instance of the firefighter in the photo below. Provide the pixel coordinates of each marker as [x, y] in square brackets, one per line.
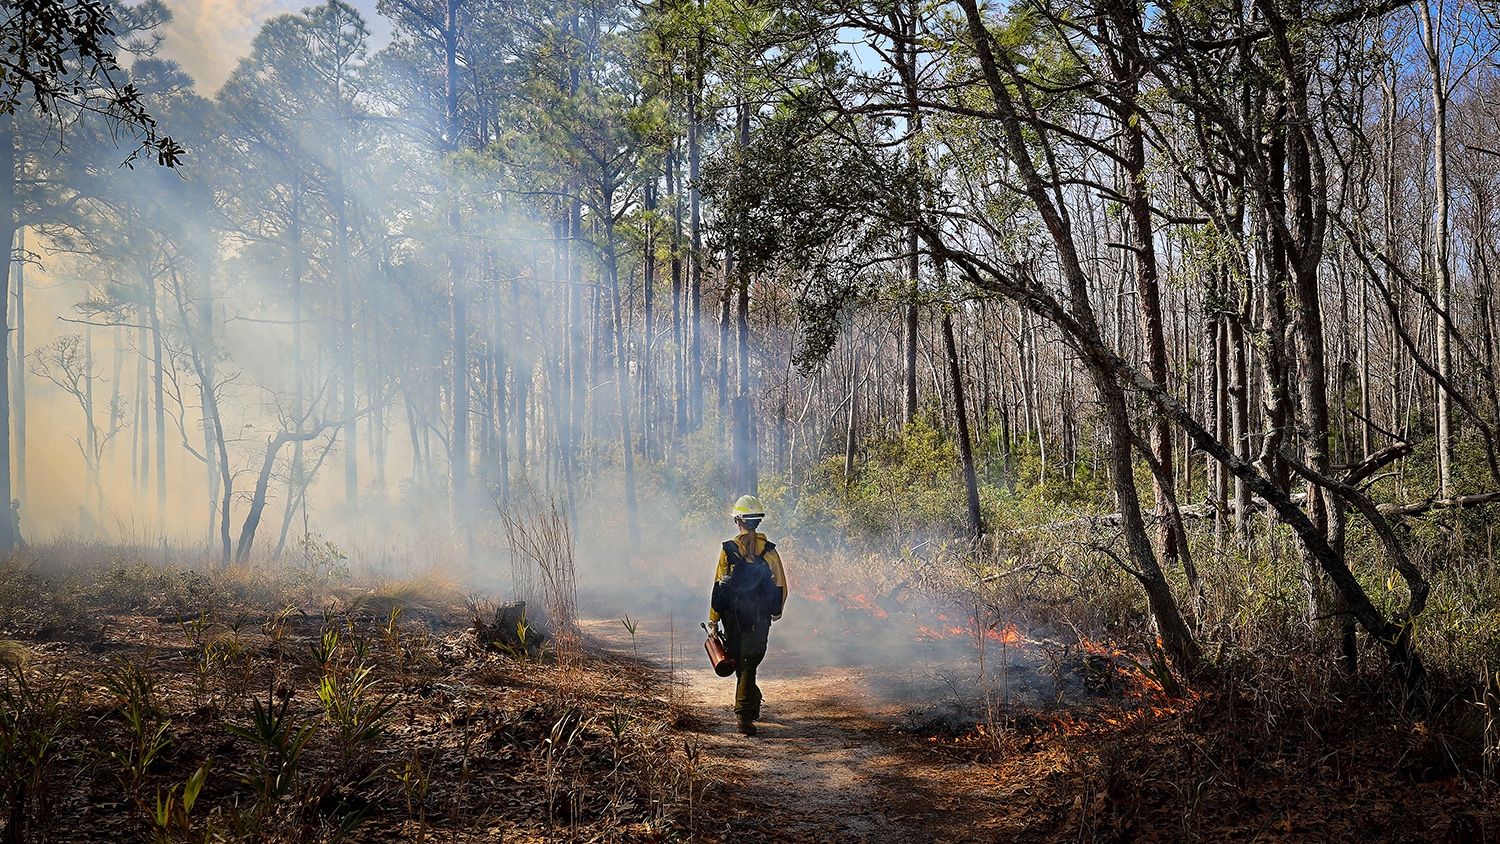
[747, 602]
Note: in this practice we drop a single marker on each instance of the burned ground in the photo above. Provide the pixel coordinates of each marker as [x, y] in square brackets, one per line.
[903, 750]
[386, 718]
[250, 725]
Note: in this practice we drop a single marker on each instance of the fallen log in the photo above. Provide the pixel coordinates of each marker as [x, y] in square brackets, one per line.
[1419, 507]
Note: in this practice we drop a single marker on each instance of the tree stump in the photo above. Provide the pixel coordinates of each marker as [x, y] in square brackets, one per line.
[513, 631]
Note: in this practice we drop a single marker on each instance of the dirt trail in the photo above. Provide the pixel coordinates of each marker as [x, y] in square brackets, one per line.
[830, 763]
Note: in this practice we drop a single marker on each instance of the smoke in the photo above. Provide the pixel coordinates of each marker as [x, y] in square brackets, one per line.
[272, 356]
[208, 37]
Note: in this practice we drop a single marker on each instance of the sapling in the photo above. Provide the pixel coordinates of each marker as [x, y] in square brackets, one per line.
[171, 820]
[279, 741]
[631, 626]
[415, 781]
[564, 732]
[325, 651]
[194, 628]
[391, 630]
[134, 693]
[355, 714]
[693, 751]
[33, 716]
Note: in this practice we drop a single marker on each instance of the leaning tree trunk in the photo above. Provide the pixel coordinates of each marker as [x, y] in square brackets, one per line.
[1079, 321]
[258, 500]
[965, 441]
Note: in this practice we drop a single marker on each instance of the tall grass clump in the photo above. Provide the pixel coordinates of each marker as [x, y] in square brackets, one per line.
[541, 545]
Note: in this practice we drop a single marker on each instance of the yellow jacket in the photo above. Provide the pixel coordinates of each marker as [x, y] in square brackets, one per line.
[772, 559]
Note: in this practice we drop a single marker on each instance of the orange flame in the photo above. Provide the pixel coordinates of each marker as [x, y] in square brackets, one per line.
[861, 602]
[811, 592]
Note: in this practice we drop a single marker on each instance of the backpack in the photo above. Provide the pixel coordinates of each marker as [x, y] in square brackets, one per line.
[747, 593]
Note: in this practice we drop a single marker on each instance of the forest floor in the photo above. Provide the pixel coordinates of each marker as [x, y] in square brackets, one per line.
[870, 734]
[830, 761]
[879, 752]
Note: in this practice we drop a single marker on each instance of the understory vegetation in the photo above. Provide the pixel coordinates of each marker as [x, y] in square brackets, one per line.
[150, 701]
[1272, 739]
[1053, 540]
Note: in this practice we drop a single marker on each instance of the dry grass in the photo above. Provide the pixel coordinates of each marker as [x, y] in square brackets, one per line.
[544, 571]
[14, 656]
[434, 595]
[376, 717]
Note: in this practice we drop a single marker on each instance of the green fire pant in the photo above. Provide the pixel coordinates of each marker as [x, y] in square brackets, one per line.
[747, 646]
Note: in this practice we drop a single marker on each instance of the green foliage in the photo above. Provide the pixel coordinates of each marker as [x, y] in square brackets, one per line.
[166, 590]
[318, 562]
[21, 594]
[415, 779]
[34, 715]
[135, 698]
[908, 490]
[278, 741]
[171, 819]
[61, 62]
[631, 627]
[904, 490]
[560, 739]
[316, 569]
[527, 644]
[356, 715]
[127, 587]
[325, 651]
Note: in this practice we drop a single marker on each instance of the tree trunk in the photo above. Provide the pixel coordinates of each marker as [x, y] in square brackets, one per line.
[965, 441]
[726, 350]
[576, 377]
[1239, 390]
[157, 364]
[908, 70]
[258, 500]
[9, 225]
[679, 356]
[501, 404]
[458, 444]
[19, 404]
[695, 279]
[622, 377]
[90, 431]
[196, 335]
[1080, 322]
[1143, 254]
[344, 278]
[1443, 433]
[648, 337]
[851, 433]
